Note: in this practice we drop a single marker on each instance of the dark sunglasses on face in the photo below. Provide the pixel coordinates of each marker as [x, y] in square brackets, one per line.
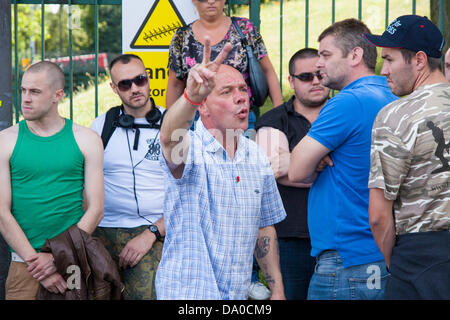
[308, 76]
[141, 80]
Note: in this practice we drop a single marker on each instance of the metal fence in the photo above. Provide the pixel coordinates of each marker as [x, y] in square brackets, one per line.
[254, 15]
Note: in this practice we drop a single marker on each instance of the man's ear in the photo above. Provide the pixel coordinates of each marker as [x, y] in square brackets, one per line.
[421, 60]
[356, 56]
[291, 81]
[59, 94]
[113, 87]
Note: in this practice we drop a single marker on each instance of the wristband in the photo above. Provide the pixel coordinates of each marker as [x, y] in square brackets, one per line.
[190, 101]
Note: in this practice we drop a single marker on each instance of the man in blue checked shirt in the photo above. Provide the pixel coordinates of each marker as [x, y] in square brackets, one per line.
[221, 196]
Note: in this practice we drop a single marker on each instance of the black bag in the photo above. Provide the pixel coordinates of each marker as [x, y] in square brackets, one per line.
[258, 81]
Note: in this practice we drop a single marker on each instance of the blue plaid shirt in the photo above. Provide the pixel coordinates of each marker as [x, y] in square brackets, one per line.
[212, 216]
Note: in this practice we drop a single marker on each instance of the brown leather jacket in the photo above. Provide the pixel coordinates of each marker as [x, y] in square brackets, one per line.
[85, 264]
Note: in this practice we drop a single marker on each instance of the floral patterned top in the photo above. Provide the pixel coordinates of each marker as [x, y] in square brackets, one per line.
[185, 51]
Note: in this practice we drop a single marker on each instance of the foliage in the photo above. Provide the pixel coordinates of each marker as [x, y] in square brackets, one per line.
[56, 30]
[109, 27]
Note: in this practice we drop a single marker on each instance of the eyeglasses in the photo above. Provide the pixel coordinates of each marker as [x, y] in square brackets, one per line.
[125, 85]
[308, 76]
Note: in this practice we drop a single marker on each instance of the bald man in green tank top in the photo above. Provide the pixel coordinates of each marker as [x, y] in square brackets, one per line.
[47, 162]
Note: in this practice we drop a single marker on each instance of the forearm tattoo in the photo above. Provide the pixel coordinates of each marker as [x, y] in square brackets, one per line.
[262, 247]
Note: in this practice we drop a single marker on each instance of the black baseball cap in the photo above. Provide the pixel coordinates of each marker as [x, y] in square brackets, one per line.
[411, 32]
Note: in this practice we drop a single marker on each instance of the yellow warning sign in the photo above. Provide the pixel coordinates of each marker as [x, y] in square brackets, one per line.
[156, 66]
[159, 26]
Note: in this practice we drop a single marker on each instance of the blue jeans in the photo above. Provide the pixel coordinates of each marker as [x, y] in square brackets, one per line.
[255, 270]
[297, 266]
[331, 281]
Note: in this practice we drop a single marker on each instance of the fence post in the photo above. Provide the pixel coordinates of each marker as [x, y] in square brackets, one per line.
[255, 13]
[5, 63]
[5, 113]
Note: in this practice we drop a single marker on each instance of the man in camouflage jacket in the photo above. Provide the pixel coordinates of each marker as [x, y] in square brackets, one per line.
[409, 182]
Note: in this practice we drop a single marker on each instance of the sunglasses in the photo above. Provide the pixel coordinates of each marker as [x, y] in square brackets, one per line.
[308, 76]
[140, 81]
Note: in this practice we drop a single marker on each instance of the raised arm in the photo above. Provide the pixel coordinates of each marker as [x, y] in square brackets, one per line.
[178, 118]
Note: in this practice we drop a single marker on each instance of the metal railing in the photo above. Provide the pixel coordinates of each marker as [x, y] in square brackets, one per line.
[254, 15]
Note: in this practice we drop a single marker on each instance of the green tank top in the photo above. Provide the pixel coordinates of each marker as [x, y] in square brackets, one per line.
[47, 177]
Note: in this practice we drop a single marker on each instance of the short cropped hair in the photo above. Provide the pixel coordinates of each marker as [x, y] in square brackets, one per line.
[433, 63]
[304, 53]
[348, 34]
[54, 73]
[124, 58]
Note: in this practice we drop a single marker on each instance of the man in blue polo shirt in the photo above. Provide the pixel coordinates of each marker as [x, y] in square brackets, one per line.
[349, 264]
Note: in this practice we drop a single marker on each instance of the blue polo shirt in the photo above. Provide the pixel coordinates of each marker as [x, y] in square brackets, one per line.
[338, 217]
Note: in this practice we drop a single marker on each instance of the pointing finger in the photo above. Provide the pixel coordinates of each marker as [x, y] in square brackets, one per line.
[207, 51]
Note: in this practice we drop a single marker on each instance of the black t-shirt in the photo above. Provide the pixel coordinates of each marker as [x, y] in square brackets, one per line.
[295, 200]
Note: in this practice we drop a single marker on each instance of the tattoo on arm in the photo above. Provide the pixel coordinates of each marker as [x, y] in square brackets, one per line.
[262, 247]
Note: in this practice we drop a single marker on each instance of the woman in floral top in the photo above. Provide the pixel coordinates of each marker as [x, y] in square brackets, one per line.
[186, 49]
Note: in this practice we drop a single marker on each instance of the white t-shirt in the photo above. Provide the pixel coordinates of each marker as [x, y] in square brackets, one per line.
[121, 207]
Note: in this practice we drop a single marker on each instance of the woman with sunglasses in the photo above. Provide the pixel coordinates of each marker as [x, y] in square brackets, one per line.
[186, 49]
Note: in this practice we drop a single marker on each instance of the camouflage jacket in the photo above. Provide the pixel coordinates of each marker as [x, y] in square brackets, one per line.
[410, 158]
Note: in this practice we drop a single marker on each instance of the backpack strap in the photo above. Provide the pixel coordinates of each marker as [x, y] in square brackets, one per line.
[111, 118]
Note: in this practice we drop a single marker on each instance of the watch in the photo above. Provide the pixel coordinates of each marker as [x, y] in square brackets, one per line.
[155, 231]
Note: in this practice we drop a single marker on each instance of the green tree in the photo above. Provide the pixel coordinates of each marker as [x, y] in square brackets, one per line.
[434, 12]
[109, 27]
[28, 30]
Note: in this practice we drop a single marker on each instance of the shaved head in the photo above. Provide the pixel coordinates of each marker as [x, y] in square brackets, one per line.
[55, 76]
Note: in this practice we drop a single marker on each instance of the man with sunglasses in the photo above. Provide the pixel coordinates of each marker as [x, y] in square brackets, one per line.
[278, 132]
[349, 263]
[133, 226]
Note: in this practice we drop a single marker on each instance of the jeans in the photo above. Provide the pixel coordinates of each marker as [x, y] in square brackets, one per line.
[331, 281]
[255, 271]
[420, 267]
[297, 266]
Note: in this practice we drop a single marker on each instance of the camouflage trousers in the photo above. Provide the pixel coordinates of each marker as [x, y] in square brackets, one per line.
[139, 281]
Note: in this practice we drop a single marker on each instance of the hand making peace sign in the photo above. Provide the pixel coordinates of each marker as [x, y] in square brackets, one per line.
[201, 78]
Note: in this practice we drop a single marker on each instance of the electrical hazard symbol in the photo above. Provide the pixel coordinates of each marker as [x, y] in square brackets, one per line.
[159, 26]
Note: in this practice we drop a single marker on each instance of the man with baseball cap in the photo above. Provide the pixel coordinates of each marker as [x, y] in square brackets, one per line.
[409, 182]
[447, 65]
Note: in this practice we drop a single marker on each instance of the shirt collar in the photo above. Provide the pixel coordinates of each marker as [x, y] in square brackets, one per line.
[213, 146]
[377, 80]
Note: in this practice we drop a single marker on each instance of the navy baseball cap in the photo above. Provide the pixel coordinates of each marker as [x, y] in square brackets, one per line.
[411, 32]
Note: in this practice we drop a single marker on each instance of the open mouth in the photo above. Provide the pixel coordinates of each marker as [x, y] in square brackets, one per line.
[243, 113]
